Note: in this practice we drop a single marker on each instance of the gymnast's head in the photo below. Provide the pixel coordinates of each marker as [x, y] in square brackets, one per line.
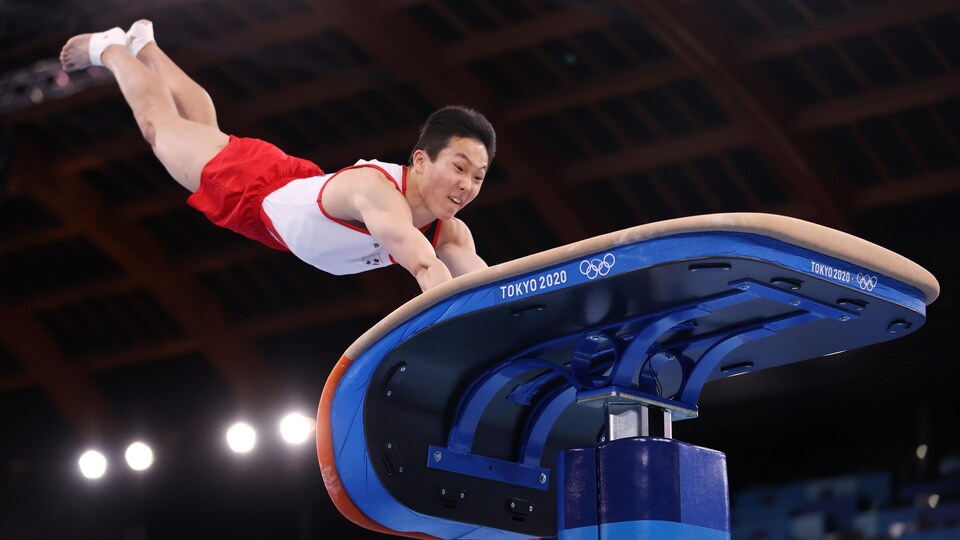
[455, 122]
[451, 158]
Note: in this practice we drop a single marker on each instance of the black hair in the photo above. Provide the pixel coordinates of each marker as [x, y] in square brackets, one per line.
[455, 121]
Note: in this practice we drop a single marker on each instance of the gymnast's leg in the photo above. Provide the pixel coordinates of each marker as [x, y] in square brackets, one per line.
[193, 102]
[183, 146]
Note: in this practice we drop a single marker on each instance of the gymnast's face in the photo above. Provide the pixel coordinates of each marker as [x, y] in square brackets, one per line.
[453, 179]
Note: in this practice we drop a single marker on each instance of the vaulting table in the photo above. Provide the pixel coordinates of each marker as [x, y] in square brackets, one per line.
[517, 402]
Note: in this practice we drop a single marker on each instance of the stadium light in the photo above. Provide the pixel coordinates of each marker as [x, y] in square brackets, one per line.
[93, 464]
[296, 428]
[139, 456]
[241, 438]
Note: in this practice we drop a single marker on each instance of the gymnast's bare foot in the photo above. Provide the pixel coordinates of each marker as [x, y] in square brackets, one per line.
[85, 50]
[75, 54]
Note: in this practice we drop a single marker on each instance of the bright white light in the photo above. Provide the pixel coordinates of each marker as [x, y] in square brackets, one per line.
[897, 528]
[296, 428]
[922, 451]
[93, 464]
[139, 456]
[241, 438]
[933, 500]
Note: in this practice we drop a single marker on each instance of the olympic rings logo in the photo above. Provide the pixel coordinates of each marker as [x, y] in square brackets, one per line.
[866, 282]
[594, 268]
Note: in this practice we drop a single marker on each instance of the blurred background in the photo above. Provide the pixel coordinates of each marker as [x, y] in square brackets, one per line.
[127, 317]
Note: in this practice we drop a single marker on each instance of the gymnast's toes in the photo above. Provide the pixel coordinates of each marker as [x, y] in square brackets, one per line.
[75, 54]
[86, 49]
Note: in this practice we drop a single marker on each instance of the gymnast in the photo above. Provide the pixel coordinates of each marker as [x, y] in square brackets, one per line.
[365, 216]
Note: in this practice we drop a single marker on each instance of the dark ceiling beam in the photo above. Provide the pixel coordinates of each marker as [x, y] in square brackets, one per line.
[136, 355]
[61, 18]
[38, 237]
[12, 383]
[908, 190]
[696, 38]
[879, 102]
[361, 307]
[43, 363]
[192, 55]
[405, 54]
[454, 56]
[196, 312]
[379, 298]
[288, 99]
[598, 89]
[557, 25]
[644, 157]
[200, 53]
[211, 262]
[860, 21]
[154, 205]
[75, 295]
[48, 108]
[290, 320]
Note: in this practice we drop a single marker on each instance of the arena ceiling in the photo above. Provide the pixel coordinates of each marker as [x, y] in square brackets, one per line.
[125, 314]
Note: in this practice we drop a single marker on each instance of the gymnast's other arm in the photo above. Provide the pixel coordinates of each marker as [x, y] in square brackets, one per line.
[457, 250]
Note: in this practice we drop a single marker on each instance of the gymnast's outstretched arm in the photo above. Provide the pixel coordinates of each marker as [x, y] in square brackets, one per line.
[374, 201]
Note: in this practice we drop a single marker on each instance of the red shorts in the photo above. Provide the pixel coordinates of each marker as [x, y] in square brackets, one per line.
[234, 183]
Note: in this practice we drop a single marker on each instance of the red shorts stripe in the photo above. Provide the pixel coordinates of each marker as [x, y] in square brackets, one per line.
[234, 183]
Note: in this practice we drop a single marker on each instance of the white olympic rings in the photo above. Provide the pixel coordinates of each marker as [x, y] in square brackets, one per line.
[866, 282]
[593, 268]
